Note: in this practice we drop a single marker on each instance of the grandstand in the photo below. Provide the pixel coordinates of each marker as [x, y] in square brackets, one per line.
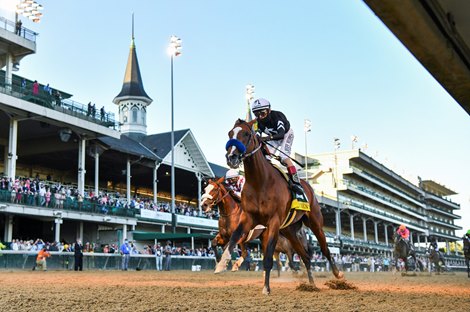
[103, 179]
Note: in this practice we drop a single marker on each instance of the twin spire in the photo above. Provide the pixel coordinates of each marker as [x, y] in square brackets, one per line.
[132, 87]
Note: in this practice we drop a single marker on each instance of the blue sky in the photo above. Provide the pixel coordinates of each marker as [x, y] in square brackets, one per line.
[332, 62]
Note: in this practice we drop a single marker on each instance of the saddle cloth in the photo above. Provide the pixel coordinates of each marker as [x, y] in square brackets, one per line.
[299, 201]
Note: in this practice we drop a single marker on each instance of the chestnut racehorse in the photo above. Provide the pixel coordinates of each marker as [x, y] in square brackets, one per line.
[266, 200]
[216, 194]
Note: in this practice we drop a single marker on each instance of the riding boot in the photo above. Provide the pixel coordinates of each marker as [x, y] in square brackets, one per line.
[295, 182]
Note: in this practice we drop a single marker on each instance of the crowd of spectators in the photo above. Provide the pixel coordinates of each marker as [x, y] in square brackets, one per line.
[38, 244]
[53, 194]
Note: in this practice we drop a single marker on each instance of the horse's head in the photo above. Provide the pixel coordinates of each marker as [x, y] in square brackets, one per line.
[242, 143]
[212, 195]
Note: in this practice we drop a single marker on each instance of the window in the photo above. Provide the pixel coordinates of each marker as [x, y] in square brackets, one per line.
[134, 115]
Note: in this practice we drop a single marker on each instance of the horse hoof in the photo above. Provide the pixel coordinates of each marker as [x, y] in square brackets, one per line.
[217, 271]
[340, 275]
[220, 269]
[235, 268]
[266, 291]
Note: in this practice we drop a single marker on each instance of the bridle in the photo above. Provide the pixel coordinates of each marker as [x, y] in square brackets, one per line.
[243, 147]
[218, 200]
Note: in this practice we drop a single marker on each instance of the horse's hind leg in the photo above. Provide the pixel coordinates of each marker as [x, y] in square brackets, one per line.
[291, 234]
[318, 231]
[278, 263]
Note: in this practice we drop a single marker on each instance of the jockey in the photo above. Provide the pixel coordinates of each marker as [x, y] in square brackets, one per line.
[404, 232]
[235, 183]
[434, 245]
[466, 237]
[281, 136]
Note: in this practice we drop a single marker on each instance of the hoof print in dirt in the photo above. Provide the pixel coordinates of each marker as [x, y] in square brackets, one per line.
[307, 287]
[340, 285]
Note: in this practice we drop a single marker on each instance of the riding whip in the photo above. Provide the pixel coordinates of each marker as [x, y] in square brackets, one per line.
[294, 160]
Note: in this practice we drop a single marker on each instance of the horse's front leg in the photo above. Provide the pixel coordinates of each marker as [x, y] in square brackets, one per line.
[269, 241]
[238, 263]
[238, 236]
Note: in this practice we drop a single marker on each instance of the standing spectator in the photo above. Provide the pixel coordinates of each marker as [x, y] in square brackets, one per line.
[78, 255]
[18, 27]
[126, 254]
[158, 257]
[102, 113]
[35, 87]
[41, 259]
[248, 259]
[58, 98]
[23, 85]
[168, 256]
[47, 89]
[88, 112]
[93, 110]
[386, 264]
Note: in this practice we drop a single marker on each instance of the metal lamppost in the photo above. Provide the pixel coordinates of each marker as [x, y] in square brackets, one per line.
[249, 94]
[30, 9]
[174, 49]
[354, 140]
[337, 145]
[307, 128]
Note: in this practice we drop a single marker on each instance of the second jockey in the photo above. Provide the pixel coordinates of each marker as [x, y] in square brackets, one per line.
[405, 234]
[235, 183]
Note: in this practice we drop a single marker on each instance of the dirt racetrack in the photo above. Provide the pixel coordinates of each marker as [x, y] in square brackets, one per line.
[228, 292]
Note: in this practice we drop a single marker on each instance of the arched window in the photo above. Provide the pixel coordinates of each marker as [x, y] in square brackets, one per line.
[134, 115]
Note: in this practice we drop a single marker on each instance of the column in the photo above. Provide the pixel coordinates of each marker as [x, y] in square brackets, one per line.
[8, 70]
[419, 241]
[376, 234]
[124, 233]
[364, 228]
[81, 166]
[80, 231]
[338, 222]
[426, 240]
[6, 165]
[447, 247]
[192, 238]
[386, 233]
[128, 181]
[12, 147]
[199, 180]
[163, 228]
[97, 171]
[351, 223]
[8, 234]
[155, 182]
[58, 222]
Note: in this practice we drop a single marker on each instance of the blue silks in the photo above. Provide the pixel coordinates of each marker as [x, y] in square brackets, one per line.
[239, 145]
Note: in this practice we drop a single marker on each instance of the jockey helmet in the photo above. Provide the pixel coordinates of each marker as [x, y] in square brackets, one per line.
[232, 173]
[260, 104]
[402, 227]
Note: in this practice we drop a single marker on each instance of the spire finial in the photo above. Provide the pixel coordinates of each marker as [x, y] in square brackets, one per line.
[132, 25]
